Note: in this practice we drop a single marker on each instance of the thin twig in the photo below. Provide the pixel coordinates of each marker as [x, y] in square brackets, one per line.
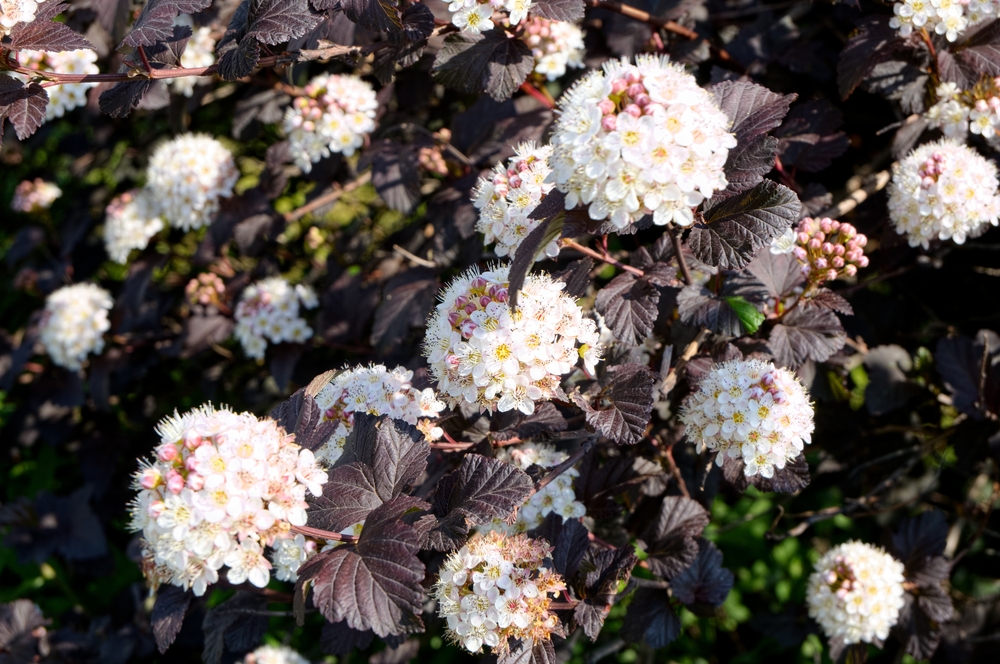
[534, 92]
[329, 197]
[681, 261]
[603, 257]
[689, 351]
[565, 465]
[325, 534]
[416, 259]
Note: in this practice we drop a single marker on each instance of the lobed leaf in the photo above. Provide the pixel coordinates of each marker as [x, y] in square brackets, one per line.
[156, 21]
[622, 409]
[559, 10]
[44, 34]
[490, 62]
[630, 305]
[376, 15]
[651, 618]
[873, 43]
[167, 616]
[670, 539]
[239, 623]
[705, 581]
[808, 332]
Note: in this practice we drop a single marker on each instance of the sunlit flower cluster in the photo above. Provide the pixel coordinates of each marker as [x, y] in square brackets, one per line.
[943, 190]
[63, 98]
[856, 592]
[13, 12]
[958, 112]
[221, 487]
[375, 390]
[482, 353]
[750, 410]
[130, 221]
[556, 496]
[556, 45]
[475, 16]
[74, 322]
[200, 52]
[34, 195]
[274, 655]
[509, 194]
[640, 139]
[207, 288]
[495, 589]
[269, 311]
[335, 115]
[188, 176]
[826, 248]
[944, 17]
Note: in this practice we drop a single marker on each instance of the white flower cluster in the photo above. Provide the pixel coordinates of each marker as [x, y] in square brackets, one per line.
[475, 16]
[66, 97]
[200, 52]
[130, 221]
[556, 45]
[751, 410]
[335, 115]
[274, 655]
[944, 17]
[13, 12]
[640, 139]
[943, 190]
[187, 177]
[269, 311]
[856, 592]
[376, 391]
[34, 195]
[958, 112]
[290, 553]
[495, 589]
[480, 353]
[508, 195]
[221, 487]
[557, 496]
[74, 322]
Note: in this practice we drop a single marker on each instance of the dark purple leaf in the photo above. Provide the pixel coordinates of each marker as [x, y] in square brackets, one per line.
[418, 22]
[874, 42]
[339, 639]
[705, 581]
[376, 15]
[629, 305]
[900, 81]
[670, 540]
[489, 62]
[888, 387]
[651, 618]
[238, 60]
[395, 173]
[569, 540]
[598, 484]
[576, 275]
[407, 299]
[239, 623]
[969, 368]
[527, 652]
[44, 34]
[203, 330]
[22, 104]
[920, 538]
[277, 21]
[18, 622]
[918, 632]
[808, 138]
[980, 53]
[622, 408]
[120, 99]
[168, 615]
[778, 273]
[559, 10]
[609, 568]
[697, 305]
[807, 332]
[825, 297]
[546, 231]
[156, 22]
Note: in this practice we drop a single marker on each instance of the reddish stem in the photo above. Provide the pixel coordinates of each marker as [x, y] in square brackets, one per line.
[531, 90]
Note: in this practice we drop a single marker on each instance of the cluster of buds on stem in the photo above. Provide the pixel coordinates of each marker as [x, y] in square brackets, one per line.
[205, 289]
[829, 249]
[431, 157]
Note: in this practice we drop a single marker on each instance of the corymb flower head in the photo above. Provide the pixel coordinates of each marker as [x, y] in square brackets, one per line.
[130, 220]
[977, 109]
[856, 593]
[220, 488]
[335, 115]
[481, 352]
[188, 176]
[556, 45]
[557, 496]
[269, 311]
[375, 390]
[475, 16]
[640, 139]
[274, 655]
[34, 195]
[508, 195]
[63, 98]
[74, 323]
[943, 190]
[944, 17]
[826, 248]
[751, 410]
[496, 588]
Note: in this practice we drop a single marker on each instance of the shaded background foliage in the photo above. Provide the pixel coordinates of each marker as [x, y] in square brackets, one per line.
[907, 398]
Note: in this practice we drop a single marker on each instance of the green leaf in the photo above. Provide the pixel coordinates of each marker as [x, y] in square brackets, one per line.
[748, 314]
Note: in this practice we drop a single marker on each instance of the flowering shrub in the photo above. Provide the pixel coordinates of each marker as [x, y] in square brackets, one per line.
[187, 177]
[34, 195]
[269, 311]
[557, 496]
[74, 323]
[63, 98]
[130, 221]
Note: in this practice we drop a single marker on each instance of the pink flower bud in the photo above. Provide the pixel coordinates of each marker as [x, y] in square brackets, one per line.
[619, 86]
[523, 166]
[815, 243]
[471, 308]
[150, 478]
[502, 295]
[453, 318]
[461, 301]
[634, 77]
[863, 261]
[800, 253]
[167, 452]
[175, 482]
[820, 263]
[156, 508]
[608, 122]
[468, 327]
[826, 225]
[643, 100]
[635, 90]
[837, 262]
[861, 240]
[485, 301]
[190, 463]
[850, 270]
[195, 482]
[836, 225]
[803, 237]
[515, 182]
[606, 106]
[479, 283]
[827, 248]
[830, 275]
[981, 105]
[633, 110]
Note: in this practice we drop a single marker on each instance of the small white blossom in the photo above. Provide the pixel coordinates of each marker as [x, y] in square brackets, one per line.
[269, 311]
[74, 322]
[944, 17]
[62, 98]
[274, 655]
[130, 220]
[556, 45]
[13, 12]
[34, 195]
[187, 177]
[199, 52]
[856, 593]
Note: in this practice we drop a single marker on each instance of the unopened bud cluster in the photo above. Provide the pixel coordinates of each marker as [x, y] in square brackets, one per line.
[750, 410]
[640, 139]
[509, 194]
[220, 488]
[828, 249]
[67, 96]
[130, 221]
[375, 390]
[431, 157]
[34, 195]
[74, 322]
[205, 289]
[13, 12]
[856, 593]
[335, 115]
[274, 655]
[269, 311]
[556, 45]
[187, 178]
[199, 52]
[944, 17]
[943, 190]
[495, 589]
[557, 496]
[475, 16]
[482, 353]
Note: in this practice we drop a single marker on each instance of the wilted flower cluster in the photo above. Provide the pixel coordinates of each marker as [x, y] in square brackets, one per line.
[274, 655]
[508, 195]
[944, 17]
[74, 322]
[34, 195]
[13, 12]
[481, 353]
[207, 288]
[856, 592]
[556, 45]
[826, 248]
[187, 177]
[957, 111]
[943, 190]
[221, 487]
[640, 139]
[494, 589]
[130, 221]
[200, 52]
[750, 410]
[63, 98]
[335, 115]
[556, 496]
[376, 391]
[474, 16]
[269, 311]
